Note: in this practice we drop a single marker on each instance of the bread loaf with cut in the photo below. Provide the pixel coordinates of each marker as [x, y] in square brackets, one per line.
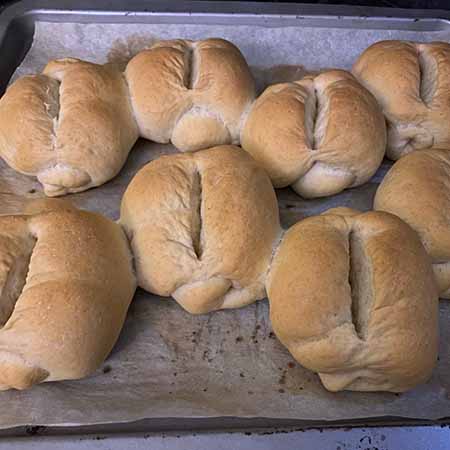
[66, 281]
[322, 134]
[417, 189]
[411, 82]
[71, 126]
[202, 228]
[194, 94]
[353, 297]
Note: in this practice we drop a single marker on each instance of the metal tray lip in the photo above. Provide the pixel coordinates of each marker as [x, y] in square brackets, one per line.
[219, 424]
[272, 10]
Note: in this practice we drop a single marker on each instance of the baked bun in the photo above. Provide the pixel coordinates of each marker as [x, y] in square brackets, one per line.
[72, 126]
[411, 81]
[192, 93]
[353, 297]
[202, 228]
[417, 189]
[66, 283]
[322, 134]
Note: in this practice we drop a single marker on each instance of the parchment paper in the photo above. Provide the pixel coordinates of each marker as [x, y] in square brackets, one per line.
[168, 363]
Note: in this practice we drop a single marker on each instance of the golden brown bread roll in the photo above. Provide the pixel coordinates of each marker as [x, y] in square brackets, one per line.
[202, 228]
[417, 189]
[72, 126]
[411, 81]
[322, 134]
[352, 296]
[193, 93]
[66, 283]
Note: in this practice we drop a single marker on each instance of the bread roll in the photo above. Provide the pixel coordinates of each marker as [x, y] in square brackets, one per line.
[322, 134]
[352, 296]
[66, 283]
[191, 93]
[202, 228]
[417, 189]
[411, 81]
[72, 126]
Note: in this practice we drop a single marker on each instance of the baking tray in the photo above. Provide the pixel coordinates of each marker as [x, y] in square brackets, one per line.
[17, 24]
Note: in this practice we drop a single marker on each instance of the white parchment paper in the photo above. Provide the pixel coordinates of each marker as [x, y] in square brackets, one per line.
[168, 363]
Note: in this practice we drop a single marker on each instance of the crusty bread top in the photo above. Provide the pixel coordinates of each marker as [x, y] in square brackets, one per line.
[206, 79]
[328, 120]
[417, 189]
[353, 297]
[30, 103]
[72, 126]
[411, 81]
[195, 217]
[66, 279]
[44, 204]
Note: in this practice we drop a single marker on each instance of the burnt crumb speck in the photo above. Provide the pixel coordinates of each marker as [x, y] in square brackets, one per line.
[271, 335]
[248, 433]
[205, 389]
[289, 205]
[239, 339]
[107, 369]
[32, 191]
[258, 327]
[291, 365]
[282, 379]
[250, 392]
[242, 375]
[175, 374]
[281, 391]
[35, 430]
[194, 341]
[194, 333]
